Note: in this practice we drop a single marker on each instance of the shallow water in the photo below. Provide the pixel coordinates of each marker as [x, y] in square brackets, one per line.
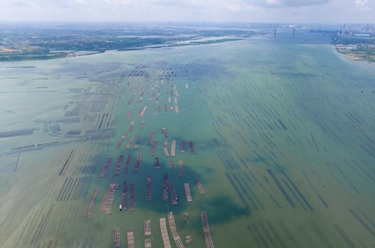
[282, 132]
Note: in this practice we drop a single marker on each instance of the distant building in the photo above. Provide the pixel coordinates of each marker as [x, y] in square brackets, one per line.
[362, 35]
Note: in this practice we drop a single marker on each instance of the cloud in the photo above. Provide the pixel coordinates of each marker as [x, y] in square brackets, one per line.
[288, 3]
[361, 2]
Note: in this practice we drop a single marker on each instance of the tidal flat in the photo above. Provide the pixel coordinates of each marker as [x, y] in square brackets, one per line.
[283, 140]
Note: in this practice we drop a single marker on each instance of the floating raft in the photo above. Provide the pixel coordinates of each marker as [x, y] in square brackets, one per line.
[180, 168]
[131, 129]
[143, 111]
[165, 147]
[200, 187]
[186, 86]
[191, 146]
[155, 111]
[148, 243]
[176, 93]
[188, 192]
[164, 131]
[148, 189]
[136, 146]
[89, 207]
[108, 198]
[153, 147]
[172, 164]
[124, 136]
[173, 148]
[157, 164]
[142, 124]
[173, 194]
[165, 187]
[139, 159]
[206, 230]
[119, 143]
[183, 146]
[130, 142]
[171, 108]
[104, 171]
[116, 237]
[147, 225]
[175, 100]
[124, 202]
[132, 197]
[127, 165]
[176, 109]
[151, 137]
[118, 165]
[174, 232]
[130, 236]
[164, 233]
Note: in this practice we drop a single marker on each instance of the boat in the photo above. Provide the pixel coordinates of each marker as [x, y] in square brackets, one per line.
[120, 207]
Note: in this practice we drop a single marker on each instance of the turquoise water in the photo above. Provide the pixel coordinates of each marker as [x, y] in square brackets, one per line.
[282, 132]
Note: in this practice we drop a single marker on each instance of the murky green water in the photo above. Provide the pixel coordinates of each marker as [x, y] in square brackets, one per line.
[283, 139]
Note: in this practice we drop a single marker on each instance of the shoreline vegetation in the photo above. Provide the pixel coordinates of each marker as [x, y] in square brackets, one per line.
[23, 42]
[357, 48]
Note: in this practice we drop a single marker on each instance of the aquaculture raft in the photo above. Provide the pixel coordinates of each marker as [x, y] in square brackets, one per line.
[164, 233]
[116, 237]
[173, 227]
[89, 207]
[206, 230]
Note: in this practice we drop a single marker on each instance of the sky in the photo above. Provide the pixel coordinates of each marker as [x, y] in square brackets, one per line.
[248, 11]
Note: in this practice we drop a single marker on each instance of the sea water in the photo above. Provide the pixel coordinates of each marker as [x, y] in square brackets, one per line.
[282, 131]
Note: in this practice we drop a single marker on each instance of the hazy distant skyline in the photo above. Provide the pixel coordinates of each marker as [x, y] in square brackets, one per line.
[289, 11]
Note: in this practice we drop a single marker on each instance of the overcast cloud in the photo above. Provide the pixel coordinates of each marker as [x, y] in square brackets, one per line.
[294, 11]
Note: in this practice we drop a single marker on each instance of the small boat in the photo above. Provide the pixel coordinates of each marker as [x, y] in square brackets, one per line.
[120, 207]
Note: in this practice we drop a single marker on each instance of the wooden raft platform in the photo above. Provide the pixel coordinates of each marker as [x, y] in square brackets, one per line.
[157, 164]
[173, 148]
[172, 164]
[131, 129]
[147, 226]
[153, 147]
[165, 187]
[188, 192]
[164, 131]
[148, 188]
[191, 147]
[139, 159]
[176, 109]
[148, 243]
[174, 232]
[151, 137]
[132, 197]
[104, 171]
[92, 201]
[124, 136]
[142, 124]
[130, 141]
[118, 165]
[164, 233]
[127, 165]
[165, 147]
[200, 187]
[108, 198]
[119, 143]
[173, 194]
[136, 146]
[116, 237]
[180, 168]
[206, 230]
[130, 236]
[183, 146]
[124, 202]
